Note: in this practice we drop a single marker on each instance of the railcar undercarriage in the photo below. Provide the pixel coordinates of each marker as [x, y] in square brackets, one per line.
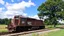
[25, 28]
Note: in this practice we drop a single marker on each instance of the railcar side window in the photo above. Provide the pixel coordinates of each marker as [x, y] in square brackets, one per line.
[23, 20]
[29, 23]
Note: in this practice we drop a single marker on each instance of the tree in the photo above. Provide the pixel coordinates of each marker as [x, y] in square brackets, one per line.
[53, 9]
[5, 21]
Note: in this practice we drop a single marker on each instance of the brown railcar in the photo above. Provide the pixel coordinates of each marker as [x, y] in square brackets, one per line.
[20, 23]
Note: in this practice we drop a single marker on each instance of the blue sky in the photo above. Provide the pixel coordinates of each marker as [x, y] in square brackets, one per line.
[9, 8]
[33, 10]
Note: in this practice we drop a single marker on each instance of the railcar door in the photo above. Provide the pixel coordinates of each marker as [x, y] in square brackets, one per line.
[16, 20]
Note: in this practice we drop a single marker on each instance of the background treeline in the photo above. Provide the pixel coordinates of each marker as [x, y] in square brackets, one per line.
[5, 21]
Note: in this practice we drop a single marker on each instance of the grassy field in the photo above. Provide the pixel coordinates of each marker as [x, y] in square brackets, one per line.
[3, 28]
[57, 33]
[52, 26]
[54, 33]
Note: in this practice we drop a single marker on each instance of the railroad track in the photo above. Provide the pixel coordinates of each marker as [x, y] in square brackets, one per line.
[22, 33]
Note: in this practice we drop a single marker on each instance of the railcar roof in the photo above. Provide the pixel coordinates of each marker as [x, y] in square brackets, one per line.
[28, 17]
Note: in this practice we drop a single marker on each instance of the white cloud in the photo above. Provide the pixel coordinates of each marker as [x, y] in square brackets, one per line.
[7, 4]
[63, 0]
[1, 2]
[61, 21]
[22, 5]
[16, 9]
[35, 17]
[10, 14]
[1, 13]
[0, 9]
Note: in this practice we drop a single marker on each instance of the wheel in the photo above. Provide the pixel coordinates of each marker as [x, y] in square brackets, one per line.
[18, 29]
[41, 27]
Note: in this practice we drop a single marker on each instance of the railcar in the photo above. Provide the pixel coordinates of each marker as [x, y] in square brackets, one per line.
[21, 23]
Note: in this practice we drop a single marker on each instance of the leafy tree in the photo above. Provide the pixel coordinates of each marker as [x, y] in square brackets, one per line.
[5, 21]
[53, 9]
[9, 21]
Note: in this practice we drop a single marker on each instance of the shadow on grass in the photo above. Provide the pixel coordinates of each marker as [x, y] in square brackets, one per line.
[60, 27]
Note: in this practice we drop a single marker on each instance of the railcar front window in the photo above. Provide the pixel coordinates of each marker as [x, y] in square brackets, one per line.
[16, 17]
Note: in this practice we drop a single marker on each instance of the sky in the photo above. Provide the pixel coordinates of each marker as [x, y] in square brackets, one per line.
[10, 8]
[28, 8]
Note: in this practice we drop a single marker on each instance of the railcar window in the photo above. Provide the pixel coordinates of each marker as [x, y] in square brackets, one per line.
[23, 20]
[16, 17]
[29, 23]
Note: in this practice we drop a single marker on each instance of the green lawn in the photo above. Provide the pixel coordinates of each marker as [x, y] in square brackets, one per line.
[3, 28]
[56, 33]
[52, 26]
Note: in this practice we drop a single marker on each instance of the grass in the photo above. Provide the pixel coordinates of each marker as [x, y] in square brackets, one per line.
[3, 28]
[52, 26]
[35, 34]
[56, 33]
[53, 33]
